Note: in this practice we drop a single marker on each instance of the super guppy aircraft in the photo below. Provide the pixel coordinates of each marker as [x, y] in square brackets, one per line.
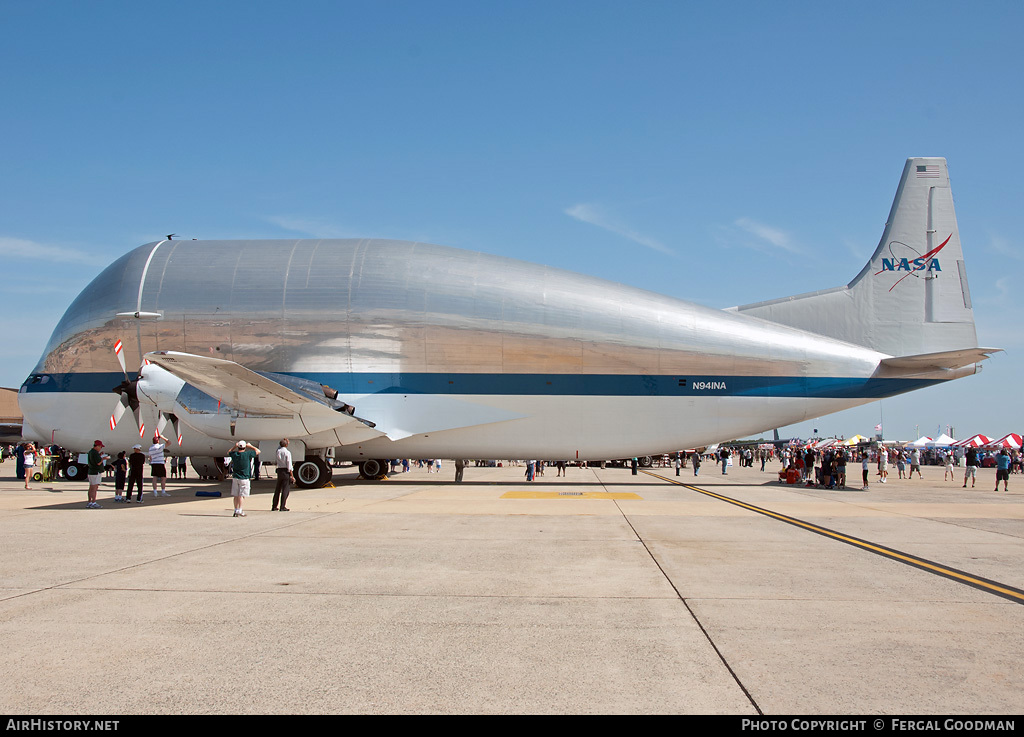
[375, 349]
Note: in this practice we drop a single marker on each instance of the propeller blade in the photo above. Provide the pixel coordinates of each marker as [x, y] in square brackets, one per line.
[119, 409]
[119, 352]
[176, 425]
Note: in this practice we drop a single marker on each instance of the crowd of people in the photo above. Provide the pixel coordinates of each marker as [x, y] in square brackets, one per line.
[828, 467]
[821, 468]
[127, 469]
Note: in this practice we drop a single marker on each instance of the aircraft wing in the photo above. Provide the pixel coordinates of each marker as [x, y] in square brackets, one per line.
[317, 407]
[231, 383]
[257, 395]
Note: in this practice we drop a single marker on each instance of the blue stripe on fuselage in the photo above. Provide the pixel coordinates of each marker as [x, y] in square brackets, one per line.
[594, 385]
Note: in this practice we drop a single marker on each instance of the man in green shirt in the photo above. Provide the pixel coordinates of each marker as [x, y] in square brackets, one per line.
[243, 459]
[95, 472]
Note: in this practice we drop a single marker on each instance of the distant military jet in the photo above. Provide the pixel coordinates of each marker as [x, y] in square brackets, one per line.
[374, 349]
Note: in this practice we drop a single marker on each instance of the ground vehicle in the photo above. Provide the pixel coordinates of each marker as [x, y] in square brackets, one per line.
[46, 470]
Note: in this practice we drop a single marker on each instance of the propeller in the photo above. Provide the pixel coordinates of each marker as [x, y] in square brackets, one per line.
[129, 394]
[129, 399]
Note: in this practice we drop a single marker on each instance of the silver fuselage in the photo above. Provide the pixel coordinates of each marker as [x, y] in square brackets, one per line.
[473, 355]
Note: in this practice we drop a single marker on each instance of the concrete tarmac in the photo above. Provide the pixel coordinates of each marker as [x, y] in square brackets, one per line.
[600, 592]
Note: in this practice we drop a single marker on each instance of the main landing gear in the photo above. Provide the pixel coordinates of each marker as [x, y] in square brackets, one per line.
[312, 473]
[374, 469]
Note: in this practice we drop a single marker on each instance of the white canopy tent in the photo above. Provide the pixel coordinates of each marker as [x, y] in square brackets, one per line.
[941, 442]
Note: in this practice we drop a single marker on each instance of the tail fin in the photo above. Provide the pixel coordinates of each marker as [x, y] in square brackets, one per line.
[912, 296]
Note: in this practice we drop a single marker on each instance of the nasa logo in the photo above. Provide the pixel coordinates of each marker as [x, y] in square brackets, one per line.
[891, 264]
[907, 259]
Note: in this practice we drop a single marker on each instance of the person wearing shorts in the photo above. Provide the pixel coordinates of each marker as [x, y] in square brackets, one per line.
[158, 466]
[915, 463]
[243, 459]
[971, 470]
[948, 460]
[30, 462]
[1003, 469]
[95, 472]
[841, 469]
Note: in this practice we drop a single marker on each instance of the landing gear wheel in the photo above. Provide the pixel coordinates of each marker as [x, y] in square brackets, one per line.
[373, 469]
[312, 473]
[645, 461]
[75, 472]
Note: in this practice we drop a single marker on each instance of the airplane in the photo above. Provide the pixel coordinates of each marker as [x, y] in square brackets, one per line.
[367, 350]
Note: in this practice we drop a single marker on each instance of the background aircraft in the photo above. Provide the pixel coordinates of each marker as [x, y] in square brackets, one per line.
[372, 349]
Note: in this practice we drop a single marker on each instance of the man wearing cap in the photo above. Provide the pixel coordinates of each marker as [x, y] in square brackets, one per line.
[95, 472]
[136, 470]
[243, 458]
[158, 465]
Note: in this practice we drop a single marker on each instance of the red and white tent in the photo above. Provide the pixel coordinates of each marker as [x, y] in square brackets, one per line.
[973, 442]
[1012, 440]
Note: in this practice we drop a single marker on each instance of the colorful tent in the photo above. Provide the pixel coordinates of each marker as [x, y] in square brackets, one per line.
[921, 441]
[973, 442]
[1012, 440]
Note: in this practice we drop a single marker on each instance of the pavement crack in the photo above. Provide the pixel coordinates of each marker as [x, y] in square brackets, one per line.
[693, 614]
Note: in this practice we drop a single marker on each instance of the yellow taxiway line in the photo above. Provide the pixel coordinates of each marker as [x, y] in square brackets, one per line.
[984, 584]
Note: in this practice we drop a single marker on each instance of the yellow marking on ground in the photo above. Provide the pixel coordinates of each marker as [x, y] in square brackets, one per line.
[570, 495]
[978, 582]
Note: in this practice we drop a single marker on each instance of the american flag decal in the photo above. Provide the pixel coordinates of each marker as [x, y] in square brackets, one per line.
[928, 172]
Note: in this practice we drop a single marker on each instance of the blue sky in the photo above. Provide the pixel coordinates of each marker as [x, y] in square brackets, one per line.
[722, 153]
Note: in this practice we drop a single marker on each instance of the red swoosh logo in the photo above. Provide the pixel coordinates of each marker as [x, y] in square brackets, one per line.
[930, 254]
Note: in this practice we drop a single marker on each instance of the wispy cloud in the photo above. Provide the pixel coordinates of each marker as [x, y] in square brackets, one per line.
[859, 250]
[771, 235]
[311, 227]
[594, 215]
[26, 250]
[1004, 248]
[1000, 294]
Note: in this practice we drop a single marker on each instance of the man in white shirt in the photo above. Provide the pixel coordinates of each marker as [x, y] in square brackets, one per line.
[158, 465]
[285, 479]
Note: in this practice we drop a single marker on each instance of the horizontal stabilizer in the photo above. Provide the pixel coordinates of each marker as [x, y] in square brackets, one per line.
[942, 360]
